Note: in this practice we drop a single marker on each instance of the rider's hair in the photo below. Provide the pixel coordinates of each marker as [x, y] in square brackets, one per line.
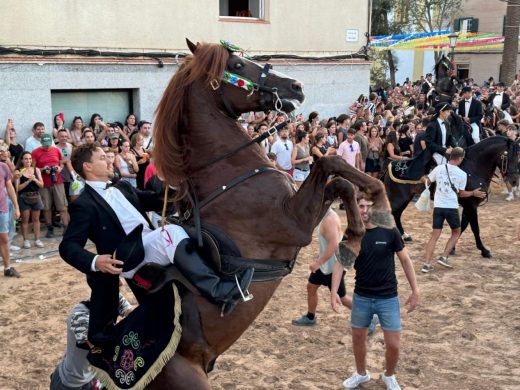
[81, 155]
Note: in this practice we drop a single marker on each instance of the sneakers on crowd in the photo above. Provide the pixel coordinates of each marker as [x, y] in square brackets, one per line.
[11, 273]
[390, 382]
[356, 380]
[14, 248]
[26, 244]
[427, 268]
[39, 243]
[50, 232]
[443, 260]
[304, 321]
[510, 197]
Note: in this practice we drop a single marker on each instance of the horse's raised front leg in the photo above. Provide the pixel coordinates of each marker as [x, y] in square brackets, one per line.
[341, 188]
[309, 204]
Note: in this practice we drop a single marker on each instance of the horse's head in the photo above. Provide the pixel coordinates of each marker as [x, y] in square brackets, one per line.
[245, 86]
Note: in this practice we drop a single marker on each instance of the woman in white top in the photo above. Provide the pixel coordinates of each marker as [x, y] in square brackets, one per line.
[127, 164]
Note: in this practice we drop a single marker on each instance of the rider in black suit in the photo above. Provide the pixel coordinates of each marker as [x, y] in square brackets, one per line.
[93, 218]
[505, 102]
[474, 114]
[435, 130]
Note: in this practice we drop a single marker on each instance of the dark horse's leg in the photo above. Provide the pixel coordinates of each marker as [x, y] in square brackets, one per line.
[470, 215]
[184, 373]
[309, 204]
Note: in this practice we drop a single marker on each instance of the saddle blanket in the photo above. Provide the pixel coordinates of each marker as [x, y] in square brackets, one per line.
[144, 342]
[407, 171]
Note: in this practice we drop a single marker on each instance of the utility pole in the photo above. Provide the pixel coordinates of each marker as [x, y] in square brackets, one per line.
[510, 54]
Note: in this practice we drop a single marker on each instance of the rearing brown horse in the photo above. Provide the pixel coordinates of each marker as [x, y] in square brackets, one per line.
[264, 215]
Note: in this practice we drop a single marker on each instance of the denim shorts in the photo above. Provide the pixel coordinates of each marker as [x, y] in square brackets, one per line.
[388, 311]
[4, 222]
[449, 215]
[300, 175]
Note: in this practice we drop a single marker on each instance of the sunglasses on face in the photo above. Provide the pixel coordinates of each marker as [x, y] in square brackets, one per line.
[286, 147]
[351, 147]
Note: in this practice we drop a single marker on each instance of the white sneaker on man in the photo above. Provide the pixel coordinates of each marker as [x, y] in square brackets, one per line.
[510, 197]
[39, 243]
[355, 380]
[26, 244]
[390, 382]
[14, 248]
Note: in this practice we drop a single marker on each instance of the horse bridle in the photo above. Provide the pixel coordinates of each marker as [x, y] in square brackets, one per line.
[250, 86]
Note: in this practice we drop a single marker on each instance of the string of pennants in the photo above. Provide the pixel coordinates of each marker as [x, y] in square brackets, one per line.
[437, 40]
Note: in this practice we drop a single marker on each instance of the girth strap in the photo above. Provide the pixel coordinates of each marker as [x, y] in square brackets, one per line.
[265, 270]
[219, 191]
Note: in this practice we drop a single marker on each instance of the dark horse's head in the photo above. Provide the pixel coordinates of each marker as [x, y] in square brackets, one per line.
[216, 79]
[445, 82]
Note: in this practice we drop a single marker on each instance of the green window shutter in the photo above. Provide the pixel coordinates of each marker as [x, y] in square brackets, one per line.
[456, 25]
[474, 25]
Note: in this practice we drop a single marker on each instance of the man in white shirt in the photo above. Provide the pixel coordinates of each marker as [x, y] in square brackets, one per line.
[35, 140]
[350, 150]
[109, 216]
[282, 148]
[451, 184]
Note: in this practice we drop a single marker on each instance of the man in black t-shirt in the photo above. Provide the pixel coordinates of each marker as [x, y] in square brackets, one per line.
[375, 292]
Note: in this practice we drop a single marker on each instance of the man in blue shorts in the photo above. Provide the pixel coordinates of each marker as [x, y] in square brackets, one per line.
[375, 292]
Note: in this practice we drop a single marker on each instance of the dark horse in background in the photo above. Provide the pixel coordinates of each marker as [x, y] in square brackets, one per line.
[480, 164]
[202, 150]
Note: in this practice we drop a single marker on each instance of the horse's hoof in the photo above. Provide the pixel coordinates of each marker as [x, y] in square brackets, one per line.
[345, 256]
[383, 219]
[487, 255]
[407, 237]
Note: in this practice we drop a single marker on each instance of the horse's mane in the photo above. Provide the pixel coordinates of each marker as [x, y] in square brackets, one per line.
[442, 67]
[171, 151]
[479, 147]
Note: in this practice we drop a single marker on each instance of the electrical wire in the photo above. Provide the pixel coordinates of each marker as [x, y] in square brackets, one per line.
[158, 56]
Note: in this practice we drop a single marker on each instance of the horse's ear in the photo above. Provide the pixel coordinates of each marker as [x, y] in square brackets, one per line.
[191, 46]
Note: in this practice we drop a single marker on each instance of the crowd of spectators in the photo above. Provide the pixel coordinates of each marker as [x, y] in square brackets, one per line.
[42, 177]
[388, 124]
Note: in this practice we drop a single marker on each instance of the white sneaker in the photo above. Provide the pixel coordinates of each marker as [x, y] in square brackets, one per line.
[39, 243]
[510, 197]
[26, 244]
[356, 380]
[390, 382]
[14, 248]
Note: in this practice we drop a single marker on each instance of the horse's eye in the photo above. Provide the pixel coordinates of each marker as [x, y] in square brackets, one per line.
[239, 65]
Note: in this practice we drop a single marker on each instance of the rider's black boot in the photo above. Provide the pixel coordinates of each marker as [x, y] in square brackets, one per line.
[226, 293]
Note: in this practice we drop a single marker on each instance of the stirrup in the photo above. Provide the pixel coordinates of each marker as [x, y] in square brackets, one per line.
[247, 297]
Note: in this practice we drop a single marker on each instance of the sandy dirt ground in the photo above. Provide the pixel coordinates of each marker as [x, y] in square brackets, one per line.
[464, 335]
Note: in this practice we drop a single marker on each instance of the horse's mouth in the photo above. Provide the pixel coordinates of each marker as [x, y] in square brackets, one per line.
[289, 105]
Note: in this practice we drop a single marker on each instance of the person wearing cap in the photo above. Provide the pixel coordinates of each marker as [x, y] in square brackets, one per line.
[500, 100]
[471, 112]
[114, 219]
[451, 184]
[50, 161]
[439, 139]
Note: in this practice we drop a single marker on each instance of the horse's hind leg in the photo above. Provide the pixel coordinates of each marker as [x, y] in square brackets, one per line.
[341, 188]
[181, 374]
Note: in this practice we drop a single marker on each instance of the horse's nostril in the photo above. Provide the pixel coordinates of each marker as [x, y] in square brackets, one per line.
[297, 86]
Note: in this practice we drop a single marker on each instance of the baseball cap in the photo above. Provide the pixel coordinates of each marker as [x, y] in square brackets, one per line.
[46, 139]
[114, 135]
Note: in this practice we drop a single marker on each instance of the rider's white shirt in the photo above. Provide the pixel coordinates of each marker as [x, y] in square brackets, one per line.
[443, 131]
[445, 197]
